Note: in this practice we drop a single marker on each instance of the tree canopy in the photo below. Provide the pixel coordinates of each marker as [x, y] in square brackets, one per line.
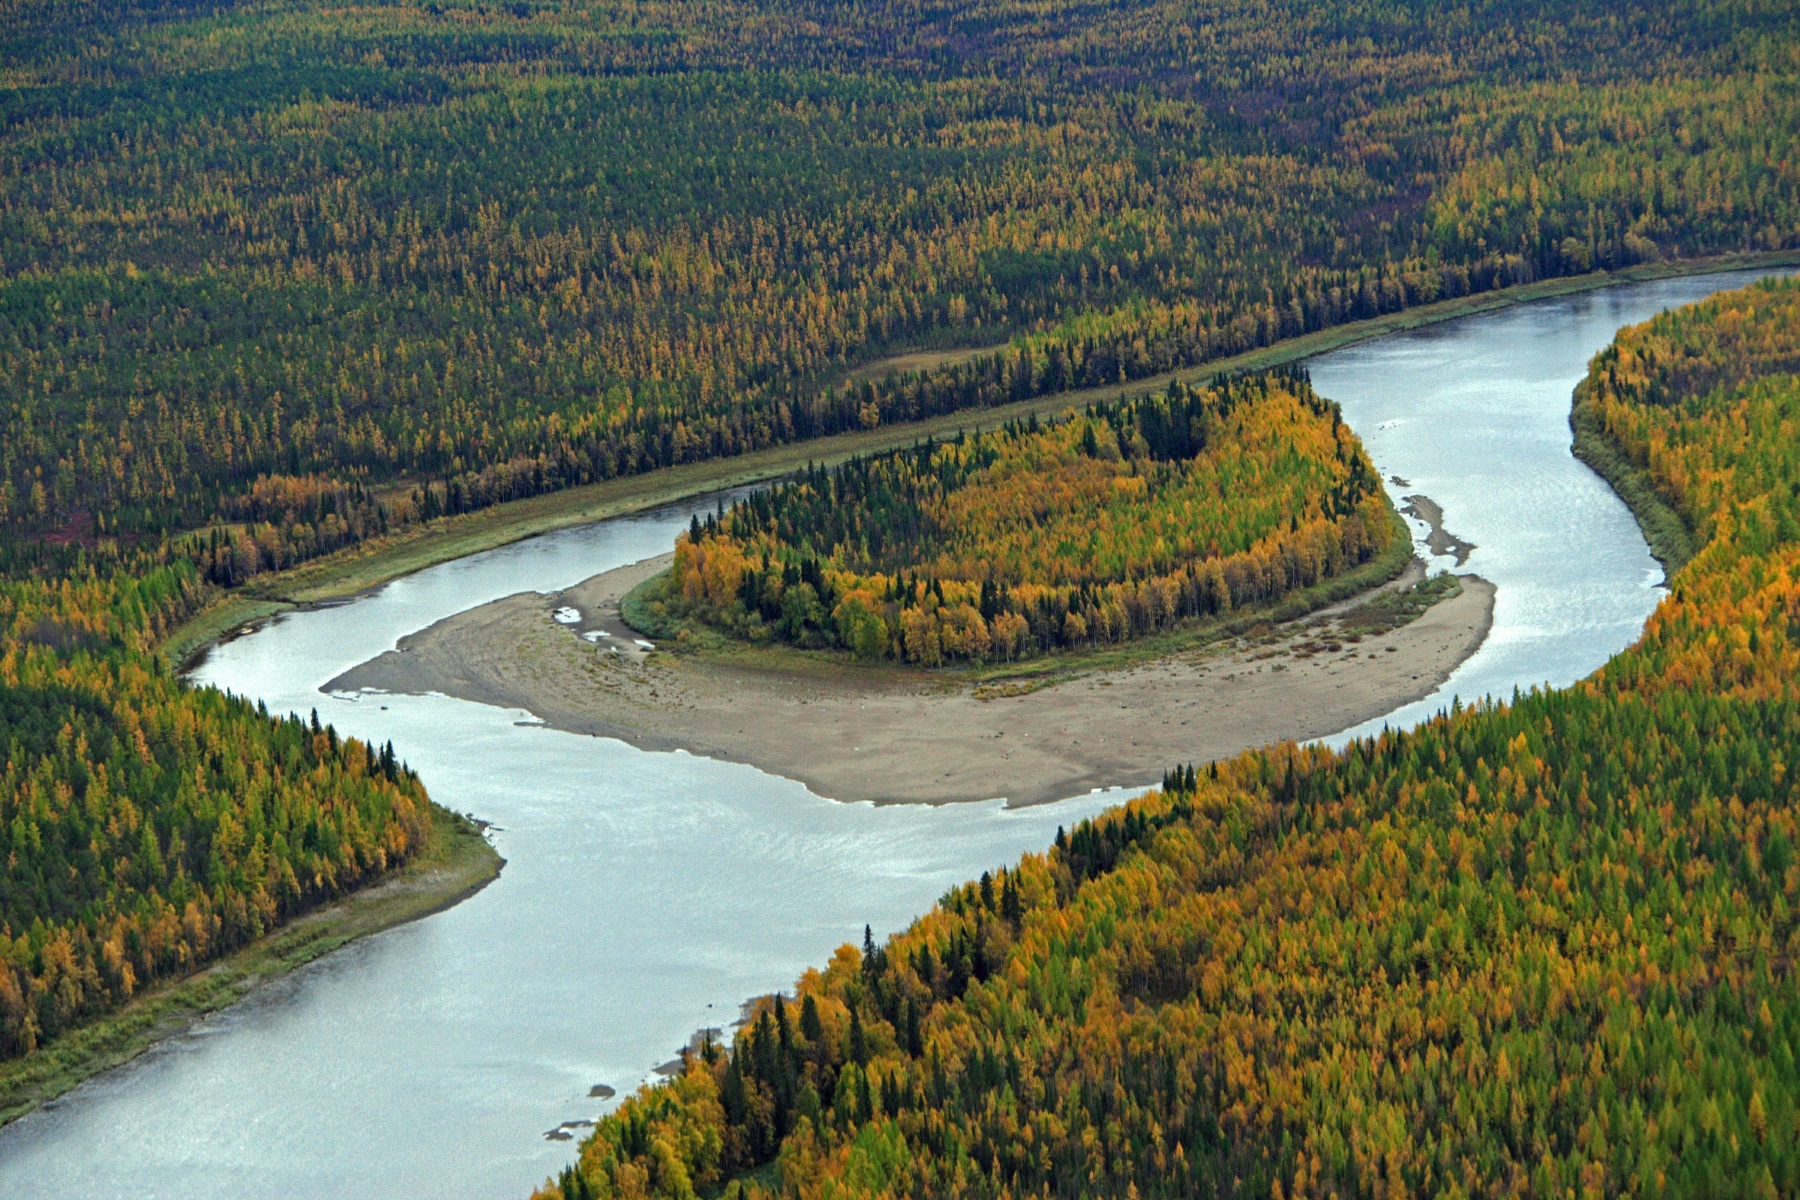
[1544, 947]
[1096, 528]
[278, 278]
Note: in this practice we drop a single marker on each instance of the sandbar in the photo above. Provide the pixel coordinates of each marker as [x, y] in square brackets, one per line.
[889, 735]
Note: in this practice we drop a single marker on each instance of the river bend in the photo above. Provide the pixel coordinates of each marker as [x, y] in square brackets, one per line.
[647, 894]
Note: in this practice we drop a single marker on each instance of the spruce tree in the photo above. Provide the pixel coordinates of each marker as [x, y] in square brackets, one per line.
[859, 1045]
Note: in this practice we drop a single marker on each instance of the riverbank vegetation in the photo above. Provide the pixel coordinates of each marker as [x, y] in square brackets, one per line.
[1095, 529]
[454, 861]
[1542, 947]
[297, 275]
[405, 548]
[148, 828]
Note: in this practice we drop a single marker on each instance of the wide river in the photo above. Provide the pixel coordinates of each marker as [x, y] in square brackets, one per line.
[646, 895]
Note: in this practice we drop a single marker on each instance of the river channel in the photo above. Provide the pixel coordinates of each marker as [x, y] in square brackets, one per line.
[647, 894]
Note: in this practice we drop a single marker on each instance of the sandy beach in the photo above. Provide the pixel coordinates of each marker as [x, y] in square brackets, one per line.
[901, 736]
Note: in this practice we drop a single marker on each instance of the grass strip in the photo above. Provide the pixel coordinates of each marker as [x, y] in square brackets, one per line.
[358, 569]
[361, 568]
[1671, 541]
[230, 612]
[456, 863]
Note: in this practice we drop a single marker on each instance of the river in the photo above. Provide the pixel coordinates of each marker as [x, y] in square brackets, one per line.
[646, 895]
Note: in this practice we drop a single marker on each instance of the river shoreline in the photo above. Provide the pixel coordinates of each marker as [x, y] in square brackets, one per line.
[437, 1059]
[360, 569]
[458, 863]
[891, 735]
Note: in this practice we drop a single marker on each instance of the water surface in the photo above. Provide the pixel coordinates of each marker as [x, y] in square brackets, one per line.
[644, 897]
[647, 894]
[1474, 413]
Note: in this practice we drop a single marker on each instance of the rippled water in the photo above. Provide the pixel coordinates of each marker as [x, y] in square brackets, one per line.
[647, 894]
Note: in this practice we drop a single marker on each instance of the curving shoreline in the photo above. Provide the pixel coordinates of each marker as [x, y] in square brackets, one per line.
[359, 569]
[500, 924]
[889, 735]
[456, 863]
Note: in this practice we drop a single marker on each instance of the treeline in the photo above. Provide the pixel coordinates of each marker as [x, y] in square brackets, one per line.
[1542, 948]
[514, 248]
[146, 827]
[1102, 527]
[281, 521]
[284, 520]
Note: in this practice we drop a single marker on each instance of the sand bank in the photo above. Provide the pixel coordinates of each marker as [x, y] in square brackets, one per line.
[891, 736]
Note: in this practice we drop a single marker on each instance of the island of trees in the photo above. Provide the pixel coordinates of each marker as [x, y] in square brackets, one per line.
[1546, 947]
[1092, 529]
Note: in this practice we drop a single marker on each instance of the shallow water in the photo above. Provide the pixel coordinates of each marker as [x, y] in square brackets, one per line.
[647, 894]
[1475, 414]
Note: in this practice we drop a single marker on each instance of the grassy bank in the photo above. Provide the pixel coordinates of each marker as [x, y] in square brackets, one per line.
[380, 560]
[1671, 541]
[455, 864]
[226, 615]
[646, 609]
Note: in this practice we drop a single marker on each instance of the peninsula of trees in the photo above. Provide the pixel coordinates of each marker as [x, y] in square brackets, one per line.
[1093, 529]
[146, 828]
[1544, 948]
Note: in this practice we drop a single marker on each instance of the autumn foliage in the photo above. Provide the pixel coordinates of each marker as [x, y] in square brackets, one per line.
[1090, 530]
[1542, 948]
[491, 250]
[278, 278]
[146, 827]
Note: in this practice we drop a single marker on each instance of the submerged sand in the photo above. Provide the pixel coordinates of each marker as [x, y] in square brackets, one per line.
[890, 736]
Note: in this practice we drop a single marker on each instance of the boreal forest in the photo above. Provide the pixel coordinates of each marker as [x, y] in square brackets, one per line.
[1117, 523]
[298, 273]
[284, 279]
[146, 827]
[1545, 947]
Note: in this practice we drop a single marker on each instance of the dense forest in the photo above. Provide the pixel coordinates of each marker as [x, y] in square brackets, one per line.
[146, 827]
[423, 258]
[1094, 529]
[1540, 948]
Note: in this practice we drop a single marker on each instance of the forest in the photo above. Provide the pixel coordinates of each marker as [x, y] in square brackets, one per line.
[1097, 528]
[1543, 947]
[419, 259]
[148, 827]
[279, 278]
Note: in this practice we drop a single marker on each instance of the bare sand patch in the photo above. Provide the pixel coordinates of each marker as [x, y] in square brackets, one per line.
[901, 736]
[920, 360]
[1441, 541]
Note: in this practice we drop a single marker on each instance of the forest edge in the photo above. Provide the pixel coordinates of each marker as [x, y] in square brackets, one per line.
[456, 863]
[360, 569]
